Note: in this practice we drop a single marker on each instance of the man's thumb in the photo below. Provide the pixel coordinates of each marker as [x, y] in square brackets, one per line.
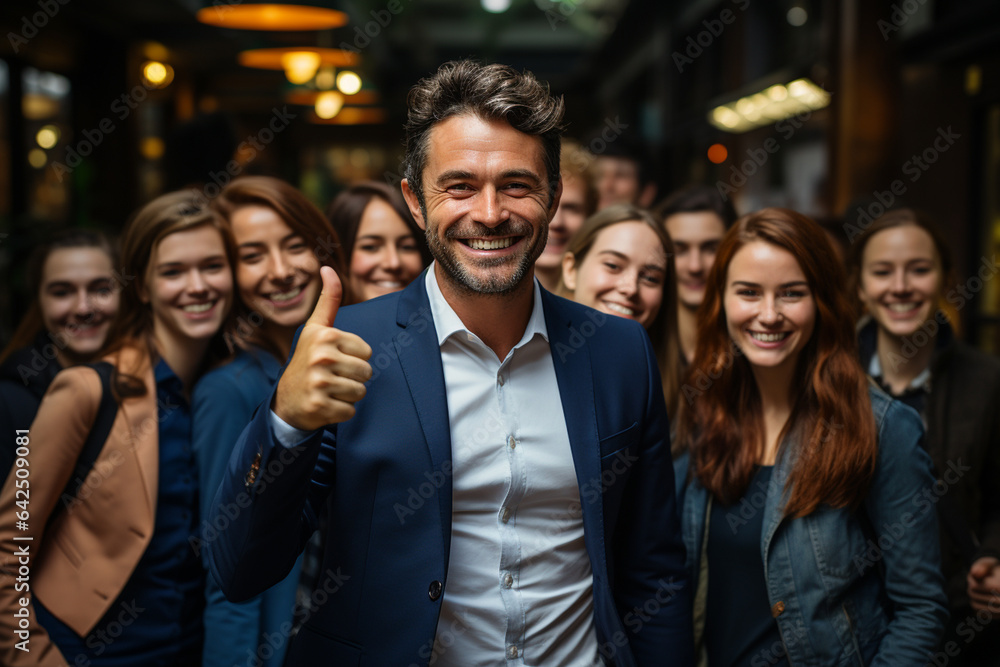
[329, 299]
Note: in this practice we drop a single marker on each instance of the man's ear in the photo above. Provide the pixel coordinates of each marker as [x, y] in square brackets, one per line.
[569, 271]
[556, 196]
[413, 204]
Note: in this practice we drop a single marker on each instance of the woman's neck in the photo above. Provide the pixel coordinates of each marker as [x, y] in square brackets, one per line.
[901, 359]
[280, 337]
[775, 388]
[183, 356]
[687, 328]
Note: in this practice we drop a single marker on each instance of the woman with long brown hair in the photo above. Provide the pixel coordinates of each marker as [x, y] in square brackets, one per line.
[281, 241]
[799, 479]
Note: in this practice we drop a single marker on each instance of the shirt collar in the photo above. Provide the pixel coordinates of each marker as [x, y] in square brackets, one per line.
[447, 323]
[920, 383]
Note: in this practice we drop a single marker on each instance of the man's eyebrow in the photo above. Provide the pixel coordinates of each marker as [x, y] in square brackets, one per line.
[454, 175]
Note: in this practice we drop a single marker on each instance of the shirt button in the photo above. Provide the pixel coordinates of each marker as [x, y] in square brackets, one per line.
[434, 590]
[777, 609]
[505, 515]
[508, 580]
[512, 651]
[511, 442]
[500, 380]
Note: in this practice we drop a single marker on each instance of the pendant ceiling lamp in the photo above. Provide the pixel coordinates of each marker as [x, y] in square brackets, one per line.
[276, 16]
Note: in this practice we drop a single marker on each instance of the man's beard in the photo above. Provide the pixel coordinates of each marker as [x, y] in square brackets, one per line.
[493, 284]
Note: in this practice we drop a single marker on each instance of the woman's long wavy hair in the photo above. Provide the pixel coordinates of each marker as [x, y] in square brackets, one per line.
[663, 329]
[173, 212]
[831, 426]
[303, 218]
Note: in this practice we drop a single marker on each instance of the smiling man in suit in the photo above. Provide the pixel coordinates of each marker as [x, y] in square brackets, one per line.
[498, 478]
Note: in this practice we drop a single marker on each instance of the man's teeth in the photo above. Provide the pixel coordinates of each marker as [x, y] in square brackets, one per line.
[769, 337]
[286, 296]
[477, 244]
[621, 310]
[902, 307]
[198, 307]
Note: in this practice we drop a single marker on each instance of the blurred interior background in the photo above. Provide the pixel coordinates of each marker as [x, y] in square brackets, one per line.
[835, 108]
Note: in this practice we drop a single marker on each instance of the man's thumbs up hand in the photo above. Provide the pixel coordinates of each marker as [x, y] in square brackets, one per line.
[326, 375]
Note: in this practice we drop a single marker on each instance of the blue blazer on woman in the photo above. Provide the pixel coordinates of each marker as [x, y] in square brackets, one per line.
[846, 588]
[224, 400]
[385, 475]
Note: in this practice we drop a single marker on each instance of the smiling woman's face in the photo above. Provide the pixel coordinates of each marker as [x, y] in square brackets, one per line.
[190, 285]
[623, 274]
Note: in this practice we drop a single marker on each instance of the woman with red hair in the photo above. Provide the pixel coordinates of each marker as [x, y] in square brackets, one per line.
[809, 537]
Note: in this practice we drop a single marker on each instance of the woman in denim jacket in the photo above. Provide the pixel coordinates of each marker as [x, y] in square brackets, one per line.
[806, 497]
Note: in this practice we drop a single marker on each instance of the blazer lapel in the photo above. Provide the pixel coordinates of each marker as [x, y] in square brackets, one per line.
[420, 358]
[575, 378]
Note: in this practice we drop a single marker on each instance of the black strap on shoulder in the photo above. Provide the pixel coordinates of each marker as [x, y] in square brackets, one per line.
[106, 414]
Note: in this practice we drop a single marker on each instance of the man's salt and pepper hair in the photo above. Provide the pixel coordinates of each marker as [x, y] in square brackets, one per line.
[490, 92]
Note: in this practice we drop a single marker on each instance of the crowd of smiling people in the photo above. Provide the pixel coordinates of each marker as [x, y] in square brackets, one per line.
[798, 391]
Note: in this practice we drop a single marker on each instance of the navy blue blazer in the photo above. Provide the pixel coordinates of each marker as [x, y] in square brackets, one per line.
[385, 476]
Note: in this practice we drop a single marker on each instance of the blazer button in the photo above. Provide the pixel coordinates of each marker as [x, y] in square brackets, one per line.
[434, 590]
[777, 609]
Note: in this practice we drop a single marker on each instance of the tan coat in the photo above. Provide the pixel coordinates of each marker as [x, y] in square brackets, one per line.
[81, 560]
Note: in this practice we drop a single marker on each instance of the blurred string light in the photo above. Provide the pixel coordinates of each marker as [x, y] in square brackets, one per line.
[717, 153]
[328, 104]
[37, 158]
[496, 6]
[769, 106]
[797, 16]
[348, 82]
[48, 136]
[325, 78]
[157, 74]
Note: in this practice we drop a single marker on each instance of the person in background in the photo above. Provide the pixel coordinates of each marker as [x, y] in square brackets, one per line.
[793, 466]
[578, 202]
[114, 580]
[384, 247]
[281, 241]
[624, 172]
[901, 270]
[74, 294]
[696, 218]
[621, 262]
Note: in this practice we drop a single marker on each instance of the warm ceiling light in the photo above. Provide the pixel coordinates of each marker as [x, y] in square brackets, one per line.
[275, 58]
[157, 74]
[325, 78]
[300, 66]
[307, 98]
[48, 136]
[769, 106]
[348, 82]
[328, 104]
[271, 16]
[37, 158]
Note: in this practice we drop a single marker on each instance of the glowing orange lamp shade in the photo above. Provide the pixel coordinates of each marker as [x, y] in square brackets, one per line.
[271, 16]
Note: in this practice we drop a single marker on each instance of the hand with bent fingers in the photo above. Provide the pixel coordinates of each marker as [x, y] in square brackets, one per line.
[329, 367]
[984, 584]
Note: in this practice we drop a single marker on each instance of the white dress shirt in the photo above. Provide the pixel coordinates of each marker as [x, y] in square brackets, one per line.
[519, 588]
